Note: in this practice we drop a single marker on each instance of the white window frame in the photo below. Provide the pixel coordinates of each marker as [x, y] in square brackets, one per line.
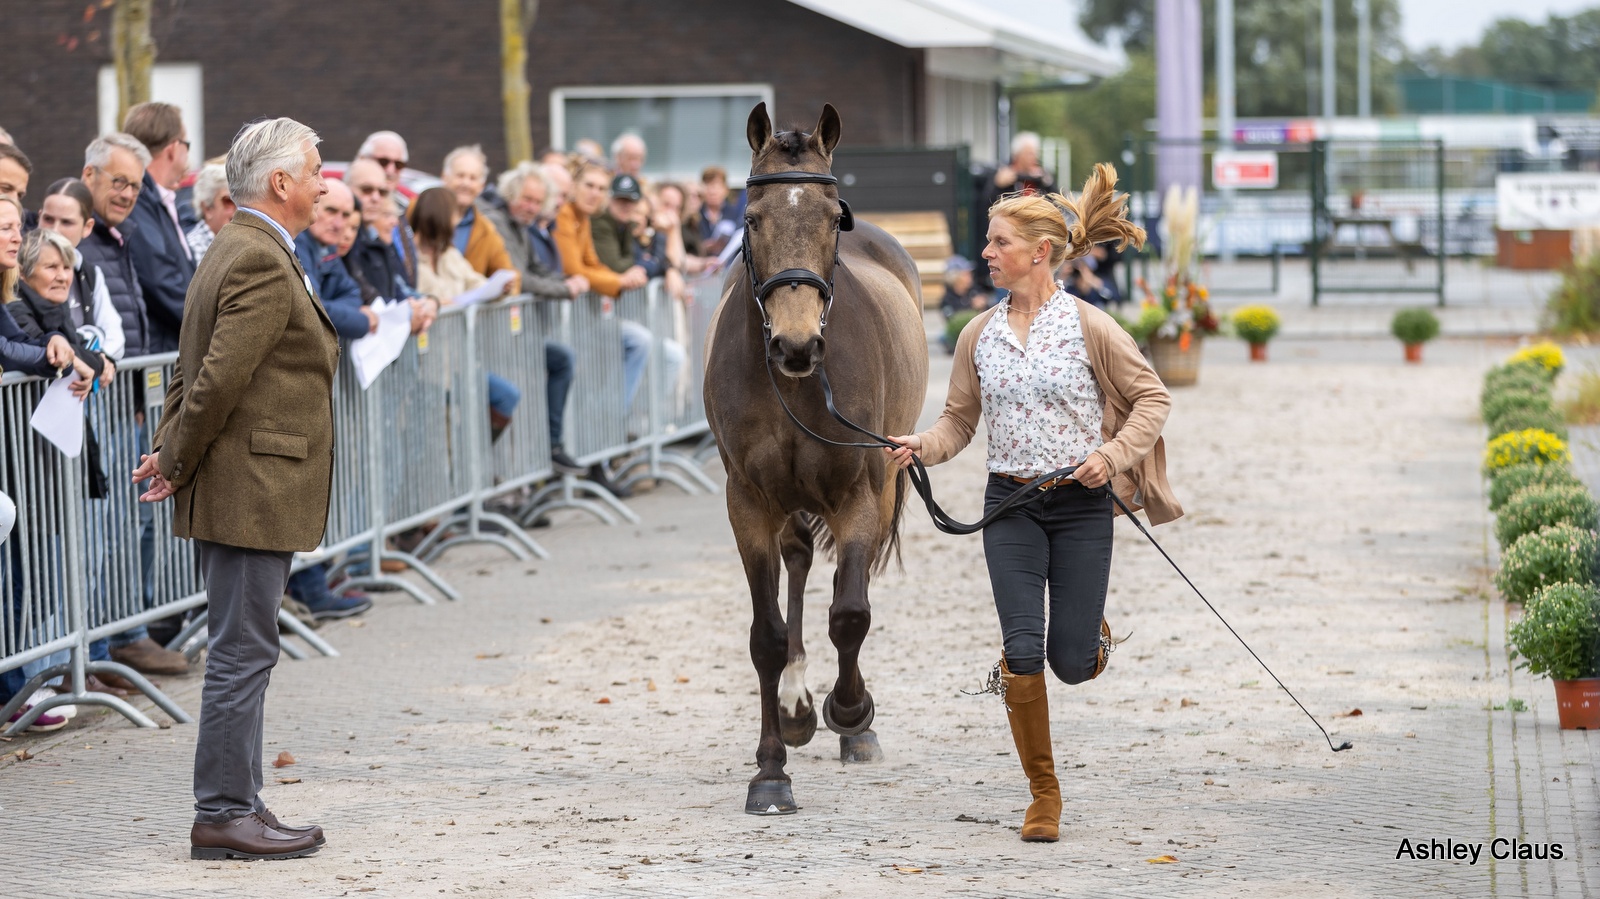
[180, 83]
[560, 95]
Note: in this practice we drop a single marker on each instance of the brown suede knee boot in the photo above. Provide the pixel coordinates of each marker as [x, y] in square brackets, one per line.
[1028, 709]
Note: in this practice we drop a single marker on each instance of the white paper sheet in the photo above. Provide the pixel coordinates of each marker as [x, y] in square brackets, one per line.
[488, 290]
[59, 417]
[373, 353]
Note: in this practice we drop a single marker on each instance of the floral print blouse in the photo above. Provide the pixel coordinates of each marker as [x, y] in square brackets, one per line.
[1041, 403]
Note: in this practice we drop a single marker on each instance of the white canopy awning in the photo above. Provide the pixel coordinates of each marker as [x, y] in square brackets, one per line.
[1003, 40]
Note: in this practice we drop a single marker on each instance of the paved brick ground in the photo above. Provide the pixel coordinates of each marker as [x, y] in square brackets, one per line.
[1335, 517]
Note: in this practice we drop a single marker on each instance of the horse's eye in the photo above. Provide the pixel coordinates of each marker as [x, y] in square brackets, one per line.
[750, 222]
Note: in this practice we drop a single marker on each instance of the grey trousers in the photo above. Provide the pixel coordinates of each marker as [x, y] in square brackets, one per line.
[243, 591]
[1054, 551]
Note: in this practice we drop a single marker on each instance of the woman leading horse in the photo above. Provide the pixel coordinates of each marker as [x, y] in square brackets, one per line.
[1059, 384]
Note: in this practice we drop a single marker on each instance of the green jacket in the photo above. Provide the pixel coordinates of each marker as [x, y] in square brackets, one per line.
[246, 433]
[613, 241]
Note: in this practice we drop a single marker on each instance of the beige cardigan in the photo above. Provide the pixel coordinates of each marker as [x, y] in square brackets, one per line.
[1137, 404]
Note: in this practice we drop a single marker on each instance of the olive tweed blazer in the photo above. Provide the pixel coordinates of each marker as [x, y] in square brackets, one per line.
[246, 433]
[1137, 404]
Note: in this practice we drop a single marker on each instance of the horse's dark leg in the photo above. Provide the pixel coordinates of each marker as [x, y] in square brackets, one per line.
[858, 532]
[756, 532]
[797, 714]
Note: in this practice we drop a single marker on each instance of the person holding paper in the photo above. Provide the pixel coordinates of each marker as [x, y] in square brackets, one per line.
[245, 444]
[42, 308]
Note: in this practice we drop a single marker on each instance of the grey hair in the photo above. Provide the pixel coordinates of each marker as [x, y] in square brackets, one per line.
[616, 145]
[368, 146]
[510, 182]
[1026, 139]
[263, 148]
[459, 152]
[98, 154]
[5, 137]
[209, 185]
[33, 249]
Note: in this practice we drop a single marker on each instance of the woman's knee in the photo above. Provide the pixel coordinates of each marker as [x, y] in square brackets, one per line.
[1074, 667]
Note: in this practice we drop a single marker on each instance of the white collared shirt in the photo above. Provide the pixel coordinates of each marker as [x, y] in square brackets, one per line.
[287, 240]
[1042, 404]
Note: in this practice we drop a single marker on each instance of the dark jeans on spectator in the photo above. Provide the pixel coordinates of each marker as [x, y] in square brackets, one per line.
[558, 362]
[1056, 546]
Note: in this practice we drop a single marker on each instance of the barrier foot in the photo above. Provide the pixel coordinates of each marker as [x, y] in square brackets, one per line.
[431, 549]
[415, 564]
[691, 466]
[292, 651]
[692, 481]
[299, 629]
[567, 488]
[115, 703]
[151, 691]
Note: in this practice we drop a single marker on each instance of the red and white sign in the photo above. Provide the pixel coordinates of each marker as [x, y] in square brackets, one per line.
[1244, 169]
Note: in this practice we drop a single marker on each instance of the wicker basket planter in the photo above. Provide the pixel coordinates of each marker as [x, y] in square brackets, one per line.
[1176, 366]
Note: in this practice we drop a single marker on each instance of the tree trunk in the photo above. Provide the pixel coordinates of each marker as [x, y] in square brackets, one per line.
[516, 20]
[133, 54]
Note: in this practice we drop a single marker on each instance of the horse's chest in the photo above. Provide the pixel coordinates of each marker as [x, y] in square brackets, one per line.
[805, 477]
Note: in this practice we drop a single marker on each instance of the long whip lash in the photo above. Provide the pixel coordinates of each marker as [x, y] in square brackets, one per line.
[943, 521]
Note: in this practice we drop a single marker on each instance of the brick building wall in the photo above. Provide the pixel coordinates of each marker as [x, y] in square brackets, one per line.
[431, 69]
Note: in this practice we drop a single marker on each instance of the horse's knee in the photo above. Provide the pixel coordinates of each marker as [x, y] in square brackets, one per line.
[849, 623]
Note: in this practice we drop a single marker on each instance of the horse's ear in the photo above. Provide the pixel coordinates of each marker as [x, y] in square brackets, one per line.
[759, 129]
[826, 134]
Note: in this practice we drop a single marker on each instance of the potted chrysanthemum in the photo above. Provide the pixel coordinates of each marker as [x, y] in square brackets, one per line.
[1559, 637]
[1255, 325]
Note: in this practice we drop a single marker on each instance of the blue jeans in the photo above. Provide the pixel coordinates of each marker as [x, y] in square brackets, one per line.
[558, 362]
[635, 353]
[503, 395]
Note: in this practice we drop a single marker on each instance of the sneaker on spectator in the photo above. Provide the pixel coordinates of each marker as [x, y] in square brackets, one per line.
[68, 711]
[146, 656]
[44, 723]
[335, 606]
[598, 476]
[563, 462]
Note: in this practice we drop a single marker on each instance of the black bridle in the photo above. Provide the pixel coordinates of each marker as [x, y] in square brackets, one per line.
[794, 277]
[917, 471]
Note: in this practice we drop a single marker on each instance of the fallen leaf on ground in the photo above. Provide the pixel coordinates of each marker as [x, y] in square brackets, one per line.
[1187, 703]
[1163, 860]
[1353, 713]
[681, 679]
[604, 700]
[22, 755]
[288, 780]
[489, 655]
[907, 869]
[357, 623]
[650, 686]
[283, 760]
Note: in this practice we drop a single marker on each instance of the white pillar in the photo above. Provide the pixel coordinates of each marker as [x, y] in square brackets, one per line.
[1179, 75]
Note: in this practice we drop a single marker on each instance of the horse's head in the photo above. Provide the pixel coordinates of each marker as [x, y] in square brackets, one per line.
[792, 228]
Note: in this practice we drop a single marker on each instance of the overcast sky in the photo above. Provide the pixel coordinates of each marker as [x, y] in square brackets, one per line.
[1452, 23]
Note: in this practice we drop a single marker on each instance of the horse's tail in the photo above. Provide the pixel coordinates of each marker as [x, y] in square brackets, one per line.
[888, 550]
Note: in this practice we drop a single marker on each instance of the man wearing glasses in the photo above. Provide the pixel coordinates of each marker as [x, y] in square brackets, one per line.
[387, 150]
[161, 253]
[113, 170]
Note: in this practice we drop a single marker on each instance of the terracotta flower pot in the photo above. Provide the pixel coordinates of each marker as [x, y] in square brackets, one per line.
[1578, 703]
[1258, 352]
[1413, 352]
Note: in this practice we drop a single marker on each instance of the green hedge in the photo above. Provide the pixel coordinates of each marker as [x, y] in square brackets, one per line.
[1510, 480]
[1547, 556]
[1538, 506]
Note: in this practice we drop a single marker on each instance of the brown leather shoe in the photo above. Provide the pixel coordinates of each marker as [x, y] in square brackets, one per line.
[248, 837]
[118, 682]
[292, 829]
[146, 656]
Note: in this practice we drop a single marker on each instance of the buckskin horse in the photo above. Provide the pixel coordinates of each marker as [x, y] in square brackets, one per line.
[811, 285]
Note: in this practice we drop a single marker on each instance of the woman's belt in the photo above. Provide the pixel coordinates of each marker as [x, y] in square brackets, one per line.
[1053, 482]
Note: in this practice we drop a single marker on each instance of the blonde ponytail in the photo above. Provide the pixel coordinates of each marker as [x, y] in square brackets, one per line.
[1098, 214]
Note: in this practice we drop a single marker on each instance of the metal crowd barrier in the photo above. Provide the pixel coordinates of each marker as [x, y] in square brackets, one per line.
[413, 449]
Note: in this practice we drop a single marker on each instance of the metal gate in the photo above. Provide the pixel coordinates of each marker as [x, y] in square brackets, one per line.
[1378, 218]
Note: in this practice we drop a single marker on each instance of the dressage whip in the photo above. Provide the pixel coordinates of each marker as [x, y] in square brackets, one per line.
[942, 520]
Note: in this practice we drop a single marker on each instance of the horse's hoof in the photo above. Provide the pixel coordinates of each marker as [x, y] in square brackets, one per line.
[770, 797]
[798, 731]
[863, 712]
[862, 747]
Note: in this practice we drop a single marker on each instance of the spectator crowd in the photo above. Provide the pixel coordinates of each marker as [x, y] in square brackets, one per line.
[94, 271]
